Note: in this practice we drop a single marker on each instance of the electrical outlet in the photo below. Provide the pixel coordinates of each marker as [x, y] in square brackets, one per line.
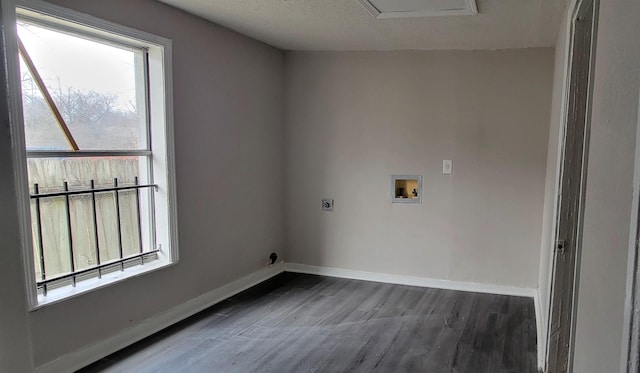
[327, 204]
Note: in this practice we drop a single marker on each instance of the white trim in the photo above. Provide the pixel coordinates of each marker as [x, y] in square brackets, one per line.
[584, 170]
[631, 291]
[543, 341]
[8, 21]
[160, 52]
[539, 330]
[92, 24]
[86, 153]
[63, 293]
[19, 149]
[411, 280]
[94, 352]
[169, 146]
[627, 332]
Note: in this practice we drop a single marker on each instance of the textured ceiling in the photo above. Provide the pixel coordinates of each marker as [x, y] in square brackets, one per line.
[346, 25]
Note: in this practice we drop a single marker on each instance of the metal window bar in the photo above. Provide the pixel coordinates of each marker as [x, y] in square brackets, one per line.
[95, 226]
[138, 215]
[117, 196]
[73, 274]
[67, 207]
[44, 283]
[43, 274]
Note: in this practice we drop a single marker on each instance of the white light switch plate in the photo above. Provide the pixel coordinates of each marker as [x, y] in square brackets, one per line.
[447, 167]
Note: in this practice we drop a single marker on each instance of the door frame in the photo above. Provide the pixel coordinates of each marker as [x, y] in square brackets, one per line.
[630, 356]
[574, 6]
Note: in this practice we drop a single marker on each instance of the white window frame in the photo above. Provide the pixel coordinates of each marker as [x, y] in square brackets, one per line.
[161, 136]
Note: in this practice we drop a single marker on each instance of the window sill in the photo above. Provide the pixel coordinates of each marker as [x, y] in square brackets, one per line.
[82, 287]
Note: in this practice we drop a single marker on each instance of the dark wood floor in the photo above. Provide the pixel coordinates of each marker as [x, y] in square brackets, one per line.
[305, 323]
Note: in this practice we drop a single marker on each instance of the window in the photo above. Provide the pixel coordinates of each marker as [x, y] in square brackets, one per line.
[97, 130]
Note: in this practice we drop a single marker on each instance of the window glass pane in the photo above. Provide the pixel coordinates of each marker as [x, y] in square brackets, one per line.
[51, 173]
[41, 128]
[98, 88]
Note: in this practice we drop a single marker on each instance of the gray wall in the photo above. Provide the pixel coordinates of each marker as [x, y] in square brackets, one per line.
[15, 352]
[229, 154]
[609, 189]
[355, 118]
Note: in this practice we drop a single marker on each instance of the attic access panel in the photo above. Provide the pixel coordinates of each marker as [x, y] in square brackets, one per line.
[419, 8]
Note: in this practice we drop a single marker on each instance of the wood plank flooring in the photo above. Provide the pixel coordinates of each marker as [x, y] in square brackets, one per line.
[307, 323]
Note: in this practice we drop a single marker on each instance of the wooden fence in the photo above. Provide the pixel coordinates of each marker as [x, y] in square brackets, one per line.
[50, 174]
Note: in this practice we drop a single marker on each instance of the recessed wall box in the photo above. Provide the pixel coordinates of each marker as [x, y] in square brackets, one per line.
[406, 189]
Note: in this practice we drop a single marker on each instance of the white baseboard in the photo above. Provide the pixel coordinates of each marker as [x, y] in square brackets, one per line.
[89, 354]
[542, 344]
[412, 281]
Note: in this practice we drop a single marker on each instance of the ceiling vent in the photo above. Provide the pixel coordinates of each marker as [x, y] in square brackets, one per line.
[419, 8]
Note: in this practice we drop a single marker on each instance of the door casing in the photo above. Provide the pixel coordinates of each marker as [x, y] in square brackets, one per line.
[571, 259]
